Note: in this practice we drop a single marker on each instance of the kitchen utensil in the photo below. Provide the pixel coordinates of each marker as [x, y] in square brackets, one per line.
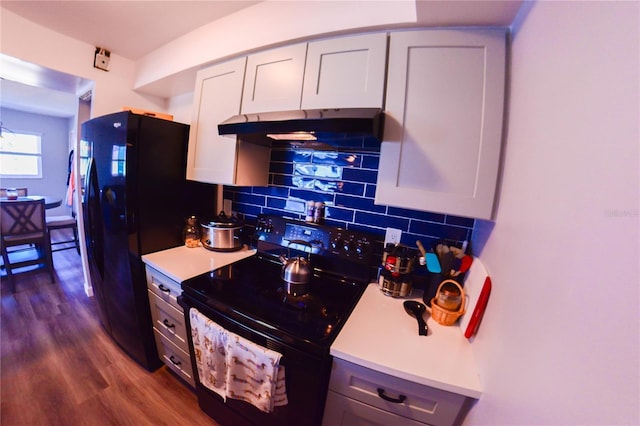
[416, 309]
[478, 312]
[222, 233]
[445, 316]
[296, 271]
[465, 263]
[475, 281]
[395, 285]
[446, 262]
[433, 264]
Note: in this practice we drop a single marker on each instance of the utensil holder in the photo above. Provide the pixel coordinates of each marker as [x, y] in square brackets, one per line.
[444, 316]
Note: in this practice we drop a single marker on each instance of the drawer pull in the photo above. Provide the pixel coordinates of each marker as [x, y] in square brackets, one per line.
[398, 400]
[174, 361]
[168, 324]
[164, 289]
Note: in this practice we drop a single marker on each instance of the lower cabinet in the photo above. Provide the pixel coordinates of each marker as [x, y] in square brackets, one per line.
[168, 324]
[361, 396]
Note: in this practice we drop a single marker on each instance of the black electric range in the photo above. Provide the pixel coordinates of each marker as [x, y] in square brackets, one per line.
[249, 298]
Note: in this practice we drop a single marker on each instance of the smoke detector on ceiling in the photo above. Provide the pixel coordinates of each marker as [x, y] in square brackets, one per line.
[101, 59]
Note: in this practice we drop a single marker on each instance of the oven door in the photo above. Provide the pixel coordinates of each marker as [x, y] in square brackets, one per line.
[306, 378]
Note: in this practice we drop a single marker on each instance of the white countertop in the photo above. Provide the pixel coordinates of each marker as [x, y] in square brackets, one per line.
[182, 263]
[380, 335]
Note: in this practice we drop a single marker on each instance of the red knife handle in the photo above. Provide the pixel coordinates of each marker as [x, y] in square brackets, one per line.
[478, 312]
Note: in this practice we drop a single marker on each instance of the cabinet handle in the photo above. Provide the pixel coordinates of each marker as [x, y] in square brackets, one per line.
[174, 361]
[163, 288]
[398, 400]
[168, 324]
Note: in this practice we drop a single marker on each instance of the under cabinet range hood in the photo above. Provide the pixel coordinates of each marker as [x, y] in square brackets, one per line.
[323, 129]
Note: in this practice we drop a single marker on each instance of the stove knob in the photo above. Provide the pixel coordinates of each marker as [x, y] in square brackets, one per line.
[335, 244]
[347, 247]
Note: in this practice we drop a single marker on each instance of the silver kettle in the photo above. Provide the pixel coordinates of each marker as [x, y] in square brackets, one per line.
[296, 271]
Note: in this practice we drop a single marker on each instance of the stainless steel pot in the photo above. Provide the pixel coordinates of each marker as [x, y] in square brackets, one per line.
[296, 271]
[224, 233]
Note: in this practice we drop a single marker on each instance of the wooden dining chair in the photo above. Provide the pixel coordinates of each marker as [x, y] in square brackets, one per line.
[22, 192]
[23, 223]
[60, 223]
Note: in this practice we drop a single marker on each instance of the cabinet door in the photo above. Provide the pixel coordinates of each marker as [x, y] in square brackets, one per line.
[273, 80]
[216, 97]
[443, 121]
[345, 72]
[222, 159]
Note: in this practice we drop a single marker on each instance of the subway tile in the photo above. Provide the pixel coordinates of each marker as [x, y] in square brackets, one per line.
[460, 221]
[351, 188]
[438, 230]
[359, 203]
[311, 195]
[414, 214]
[370, 191]
[326, 171]
[281, 180]
[257, 200]
[339, 213]
[282, 168]
[382, 221]
[370, 161]
[360, 175]
[336, 158]
[273, 191]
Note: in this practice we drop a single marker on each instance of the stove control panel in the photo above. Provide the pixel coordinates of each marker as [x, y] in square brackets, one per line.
[318, 238]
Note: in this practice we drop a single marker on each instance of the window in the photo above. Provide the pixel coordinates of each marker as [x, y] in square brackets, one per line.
[20, 155]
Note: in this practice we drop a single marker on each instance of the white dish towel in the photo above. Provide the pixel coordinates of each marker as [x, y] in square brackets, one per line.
[235, 367]
[255, 374]
[210, 343]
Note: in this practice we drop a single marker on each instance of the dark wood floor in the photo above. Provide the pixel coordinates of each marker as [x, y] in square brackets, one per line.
[58, 367]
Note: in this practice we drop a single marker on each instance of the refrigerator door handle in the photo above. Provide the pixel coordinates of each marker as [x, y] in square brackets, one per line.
[93, 218]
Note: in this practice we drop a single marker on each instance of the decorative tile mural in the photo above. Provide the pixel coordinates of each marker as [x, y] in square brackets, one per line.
[346, 183]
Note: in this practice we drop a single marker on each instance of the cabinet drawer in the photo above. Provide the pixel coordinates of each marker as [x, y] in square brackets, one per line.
[344, 411]
[174, 357]
[169, 321]
[419, 402]
[164, 287]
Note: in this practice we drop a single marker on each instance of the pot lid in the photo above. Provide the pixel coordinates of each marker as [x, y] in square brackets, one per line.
[224, 221]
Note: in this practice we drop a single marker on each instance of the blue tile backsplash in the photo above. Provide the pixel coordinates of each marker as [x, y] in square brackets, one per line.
[346, 183]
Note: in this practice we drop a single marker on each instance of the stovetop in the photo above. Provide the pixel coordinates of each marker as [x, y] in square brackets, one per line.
[253, 293]
[252, 289]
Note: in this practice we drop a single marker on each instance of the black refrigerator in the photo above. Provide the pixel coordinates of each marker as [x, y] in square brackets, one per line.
[135, 202]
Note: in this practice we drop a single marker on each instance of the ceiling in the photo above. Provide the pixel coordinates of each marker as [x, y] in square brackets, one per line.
[127, 28]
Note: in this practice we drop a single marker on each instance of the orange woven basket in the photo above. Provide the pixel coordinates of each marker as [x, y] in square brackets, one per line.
[444, 316]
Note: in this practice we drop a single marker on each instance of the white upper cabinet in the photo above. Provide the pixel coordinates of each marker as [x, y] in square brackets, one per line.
[345, 72]
[222, 159]
[443, 121]
[273, 81]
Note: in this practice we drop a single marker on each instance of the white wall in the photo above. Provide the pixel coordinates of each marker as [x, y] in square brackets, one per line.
[55, 152]
[559, 343]
[36, 44]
